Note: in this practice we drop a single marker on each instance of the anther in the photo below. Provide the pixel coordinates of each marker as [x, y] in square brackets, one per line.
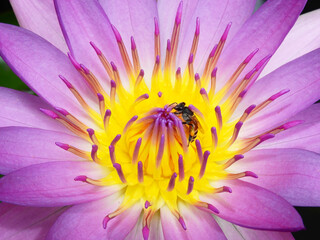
[74, 150]
[172, 182]
[190, 185]
[182, 223]
[76, 94]
[181, 168]
[147, 204]
[235, 134]
[207, 206]
[268, 101]
[241, 175]
[106, 119]
[129, 123]
[204, 95]
[232, 161]
[190, 65]
[160, 151]
[214, 137]
[113, 92]
[199, 150]
[74, 62]
[139, 79]
[136, 151]
[219, 117]
[115, 140]
[178, 79]
[196, 111]
[123, 51]
[102, 105]
[103, 60]
[92, 136]
[222, 189]
[83, 178]
[141, 98]
[135, 56]
[204, 164]
[118, 168]
[112, 154]
[247, 113]
[140, 172]
[168, 56]
[145, 232]
[197, 81]
[195, 38]
[213, 82]
[156, 38]
[159, 94]
[94, 153]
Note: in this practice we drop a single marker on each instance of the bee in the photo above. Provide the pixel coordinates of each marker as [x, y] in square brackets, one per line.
[189, 120]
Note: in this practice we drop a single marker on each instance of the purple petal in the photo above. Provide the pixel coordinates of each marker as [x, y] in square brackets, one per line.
[40, 17]
[21, 147]
[22, 109]
[304, 37]
[301, 76]
[135, 18]
[38, 64]
[291, 173]
[214, 16]
[255, 207]
[265, 30]
[52, 184]
[87, 219]
[236, 232]
[84, 21]
[17, 222]
[305, 136]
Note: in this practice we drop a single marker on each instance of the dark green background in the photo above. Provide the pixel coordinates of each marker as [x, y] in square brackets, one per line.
[9, 79]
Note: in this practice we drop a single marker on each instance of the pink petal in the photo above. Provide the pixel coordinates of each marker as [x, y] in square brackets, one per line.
[87, 220]
[214, 16]
[84, 21]
[22, 109]
[21, 147]
[305, 135]
[304, 37]
[52, 184]
[40, 17]
[38, 63]
[17, 222]
[236, 232]
[301, 76]
[265, 30]
[291, 173]
[135, 18]
[255, 207]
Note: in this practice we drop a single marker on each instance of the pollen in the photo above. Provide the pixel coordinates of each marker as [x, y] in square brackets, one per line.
[168, 138]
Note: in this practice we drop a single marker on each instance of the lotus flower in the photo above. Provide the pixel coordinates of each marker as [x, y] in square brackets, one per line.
[159, 119]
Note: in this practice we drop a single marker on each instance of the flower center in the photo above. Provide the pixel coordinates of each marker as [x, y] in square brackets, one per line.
[170, 141]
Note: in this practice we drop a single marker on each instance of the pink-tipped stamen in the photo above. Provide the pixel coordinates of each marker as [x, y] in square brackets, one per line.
[160, 150]
[140, 171]
[232, 161]
[135, 56]
[123, 51]
[181, 168]
[190, 185]
[92, 136]
[129, 123]
[218, 117]
[172, 182]
[204, 164]
[136, 151]
[94, 153]
[103, 60]
[74, 150]
[156, 38]
[118, 168]
[199, 150]
[214, 138]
